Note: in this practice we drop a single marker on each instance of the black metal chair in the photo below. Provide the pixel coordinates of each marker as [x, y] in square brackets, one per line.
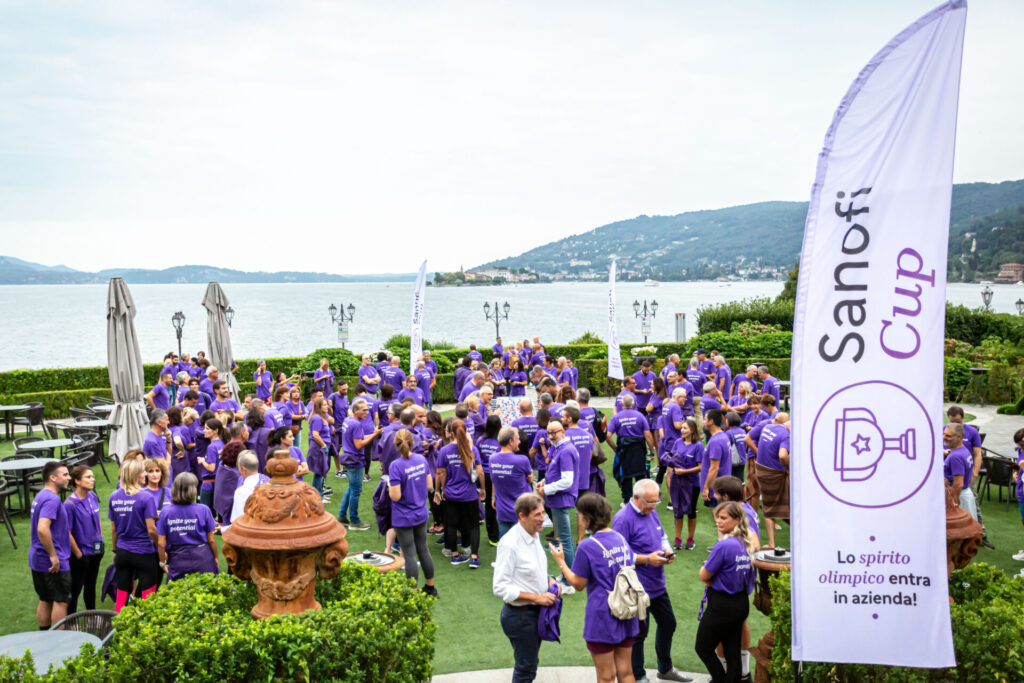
[51, 429]
[33, 416]
[22, 440]
[15, 479]
[999, 474]
[102, 399]
[93, 446]
[6, 492]
[98, 622]
[83, 413]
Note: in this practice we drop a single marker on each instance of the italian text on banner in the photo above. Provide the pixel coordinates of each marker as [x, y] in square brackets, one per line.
[416, 337]
[614, 357]
[869, 564]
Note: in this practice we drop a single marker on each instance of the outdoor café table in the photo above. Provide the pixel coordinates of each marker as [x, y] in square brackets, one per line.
[47, 445]
[93, 424]
[47, 647]
[103, 410]
[784, 395]
[24, 468]
[9, 412]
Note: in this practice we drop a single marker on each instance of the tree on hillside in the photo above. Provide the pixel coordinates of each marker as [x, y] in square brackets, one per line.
[789, 289]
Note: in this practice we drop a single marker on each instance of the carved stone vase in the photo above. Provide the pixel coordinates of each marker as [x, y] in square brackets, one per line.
[284, 540]
[963, 533]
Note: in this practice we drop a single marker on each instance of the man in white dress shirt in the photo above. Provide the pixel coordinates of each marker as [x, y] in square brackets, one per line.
[521, 579]
[249, 468]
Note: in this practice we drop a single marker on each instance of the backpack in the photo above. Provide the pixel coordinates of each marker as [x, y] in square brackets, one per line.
[627, 599]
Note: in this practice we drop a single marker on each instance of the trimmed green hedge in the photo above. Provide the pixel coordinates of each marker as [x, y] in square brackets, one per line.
[373, 627]
[57, 403]
[988, 634]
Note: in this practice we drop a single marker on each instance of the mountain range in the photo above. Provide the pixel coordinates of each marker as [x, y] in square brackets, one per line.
[15, 271]
[760, 240]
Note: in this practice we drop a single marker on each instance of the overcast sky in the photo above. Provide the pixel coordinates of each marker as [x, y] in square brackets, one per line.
[360, 137]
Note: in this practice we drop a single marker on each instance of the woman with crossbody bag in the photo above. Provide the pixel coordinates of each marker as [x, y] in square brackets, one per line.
[600, 562]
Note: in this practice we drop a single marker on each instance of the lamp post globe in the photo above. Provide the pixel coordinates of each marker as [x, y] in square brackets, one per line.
[178, 320]
[986, 297]
[1020, 307]
[229, 315]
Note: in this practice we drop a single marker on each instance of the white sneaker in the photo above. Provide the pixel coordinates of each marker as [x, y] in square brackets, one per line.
[1021, 575]
[446, 552]
[569, 590]
[465, 551]
[1019, 556]
[547, 522]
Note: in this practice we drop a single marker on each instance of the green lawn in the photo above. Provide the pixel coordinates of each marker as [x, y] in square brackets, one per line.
[469, 636]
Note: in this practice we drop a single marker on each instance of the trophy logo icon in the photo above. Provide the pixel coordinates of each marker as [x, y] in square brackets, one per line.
[860, 444]
[872, 445]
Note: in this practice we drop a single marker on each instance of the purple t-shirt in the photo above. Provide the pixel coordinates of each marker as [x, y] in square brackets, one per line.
[541, 444]
[368, 372]
[740, 379]
[416, 394]
[717, 449]
[351, 429]
[272, 419]
[263, 390]
[730, 564]
[686, 456]
[324, 380]
[725, 373]
[565, 375]
[488, 449]
[600, 570]
[467, 389]
[423, 379]
[213, 458]
[708, 403]
[1020, 476]
[411, 475]
[644, 535]
[584, 443]
[185, 524]
[643, 383]
[618, 399]
[517, 389]
[671, 413]
[395, 377]
[230, 404]
[155, 446]
[84, 518]
[736, 437]
[958, 462]
[771, 386]
[706, 367]
[509, 472]
[628, 423]
[696, 381]
[459, 485]
[563, 458]
[129, 515]
[669, 367]
[752, 520]
[161, 399]
[47, 505]
[528, 424]
[771, 439]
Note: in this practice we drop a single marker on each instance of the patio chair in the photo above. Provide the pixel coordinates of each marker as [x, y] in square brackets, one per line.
[13, 479]
[93, 445]
[999, 475]
[6, 492]
[33, 416]
[83, 413]
[102, 399]
[21, 441]
[98, 622]
[51, 429]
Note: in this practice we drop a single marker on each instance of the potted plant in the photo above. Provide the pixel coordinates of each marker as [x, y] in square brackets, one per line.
[642, 353]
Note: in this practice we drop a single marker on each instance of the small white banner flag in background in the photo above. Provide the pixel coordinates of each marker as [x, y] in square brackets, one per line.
[614, 358]
[416, 337]
[869, 564]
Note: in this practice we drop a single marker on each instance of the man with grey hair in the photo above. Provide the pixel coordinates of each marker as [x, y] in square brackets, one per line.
[723, 376]
[248, 469]
[354, 438]
[393, 374]
[639, 525]
[473, 385]
[511, 476]
[158, 439]
[958, 468]
[628, 385]
[671, 365]
[565, 377]
[486, 395]
[750, 376]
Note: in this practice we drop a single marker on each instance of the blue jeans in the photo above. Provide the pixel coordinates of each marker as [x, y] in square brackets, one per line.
[504, 527]
[350, 502]
[1021, 505]
[318, 484]
[562, 518]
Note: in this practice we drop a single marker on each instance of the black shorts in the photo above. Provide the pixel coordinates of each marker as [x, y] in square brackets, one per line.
[52, 587]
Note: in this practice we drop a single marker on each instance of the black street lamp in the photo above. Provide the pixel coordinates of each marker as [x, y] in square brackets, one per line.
[497, 317]
[643, 313]
[229, 313]
[1020, 307]
[338, 316]
[178, 320]
[986, 296]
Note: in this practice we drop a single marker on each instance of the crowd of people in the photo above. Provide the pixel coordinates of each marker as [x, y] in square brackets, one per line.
[711, 439]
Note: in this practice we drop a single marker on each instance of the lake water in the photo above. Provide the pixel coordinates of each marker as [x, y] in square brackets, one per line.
[65, 326]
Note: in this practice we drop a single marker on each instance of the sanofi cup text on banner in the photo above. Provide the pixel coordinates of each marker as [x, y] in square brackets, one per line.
[614, 357]
[416, 337]
[869, 569]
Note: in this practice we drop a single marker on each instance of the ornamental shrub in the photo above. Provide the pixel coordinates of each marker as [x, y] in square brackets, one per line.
[988, 634]
[372, 627]
[343, 361]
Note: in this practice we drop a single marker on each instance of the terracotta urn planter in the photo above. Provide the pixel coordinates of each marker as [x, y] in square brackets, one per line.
[283, 541]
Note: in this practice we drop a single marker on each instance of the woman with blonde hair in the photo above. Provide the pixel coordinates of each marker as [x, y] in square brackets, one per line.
[157, 477]
[729, 575]
[132, 515]
[460, 482]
